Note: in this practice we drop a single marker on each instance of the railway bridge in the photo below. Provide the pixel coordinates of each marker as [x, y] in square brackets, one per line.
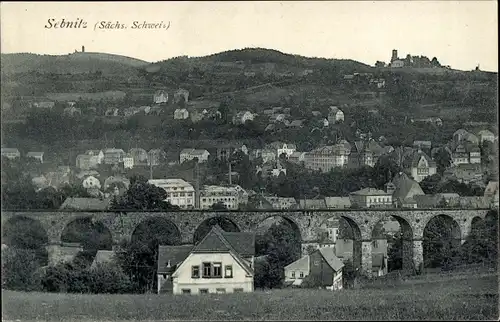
[121, 225]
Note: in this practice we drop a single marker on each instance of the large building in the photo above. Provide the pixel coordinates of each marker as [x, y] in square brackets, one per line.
[179, 192]
[327, 157]
[230, 196]
[371, 198]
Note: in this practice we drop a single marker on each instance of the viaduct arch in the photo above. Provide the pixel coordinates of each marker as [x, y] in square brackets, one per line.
[412, 222]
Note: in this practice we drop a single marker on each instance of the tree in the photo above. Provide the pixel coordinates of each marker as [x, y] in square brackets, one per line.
[443, 160]
[142, 196]
[395, 252]
[430, 185]
[19, 269]
[218, 206]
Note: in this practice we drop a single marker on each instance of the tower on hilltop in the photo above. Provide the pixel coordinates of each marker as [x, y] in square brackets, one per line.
[83, 49]
[394, 55]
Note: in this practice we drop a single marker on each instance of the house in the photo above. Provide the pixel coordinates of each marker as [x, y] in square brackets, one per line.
[371, 198]
[397, 63]
[465, 173]
[430, 120]
[156, 157]
[338, 202]
[228, 195]
[420, 165]
[116, 181]
[282, 148]
[335, 115]
[296, 123]
[270, 127]
[57, 179]
[72, 111]
[361, 156]
[44, 104]
[103, 257]
[459, 135]
[242, 117]
[326, 158]
[179, 192]
[181, 114]
[424, 145]
[90, 204]
[98, 156]
[297, 157]
[91, 182]
[113, 156]
[128, 161]
[85, 162]
[280, 202]
[277, 118]
[322, 266]
[112, 111]
[465, 153]
[84, 173]
[191, 154]
[268, 155]
[486, 135]
[11, 153]
[196, 115]
[181, 94]
[316, 113]
[271, 169]
[491, 191]
[221, 262]
[379, 264]
[403, 189]
[312, 204]
[160, 97]
[139, 155]
[40, 182]
[35, 155]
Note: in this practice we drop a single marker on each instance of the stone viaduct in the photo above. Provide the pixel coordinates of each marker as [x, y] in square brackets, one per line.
[121, 225]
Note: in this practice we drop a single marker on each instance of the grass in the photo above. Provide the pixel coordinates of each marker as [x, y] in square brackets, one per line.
[465, 297]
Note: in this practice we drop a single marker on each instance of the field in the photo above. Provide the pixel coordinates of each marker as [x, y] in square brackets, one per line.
[457, 297]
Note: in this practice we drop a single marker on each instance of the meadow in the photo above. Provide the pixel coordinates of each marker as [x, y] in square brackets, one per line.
[453, 297]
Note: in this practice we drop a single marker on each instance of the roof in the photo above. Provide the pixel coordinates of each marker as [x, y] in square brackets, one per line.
[328, 254]
[173, 254]
[219, 241]
[86, 204]
[301, 263]
[103, 256]
[485, 133]
[93, 152]
[491, 188]
[334, 109]
[370, 192]
[427, 201]
[34, 154]
[337, 202]
[405, 187]
[418, 155]
[10, 150]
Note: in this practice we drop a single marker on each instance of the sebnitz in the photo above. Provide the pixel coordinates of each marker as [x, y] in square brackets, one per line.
[63, 23]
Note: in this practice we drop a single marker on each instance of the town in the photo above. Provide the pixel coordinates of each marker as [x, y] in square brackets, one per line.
[247, 171]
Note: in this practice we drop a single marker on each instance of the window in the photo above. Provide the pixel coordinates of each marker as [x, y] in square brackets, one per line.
[228, 271]
[220, 290]
[217, 270]
[186, 291]
[293, 274]
[165, 276]
[316, 262]
[301, 274]
[238, 290]
[195, 271]
[175, 194]
[203, 291]
[182, 194]
[207, 269]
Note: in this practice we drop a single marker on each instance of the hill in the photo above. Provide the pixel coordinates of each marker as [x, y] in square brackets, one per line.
[77, 63]
[257, 59]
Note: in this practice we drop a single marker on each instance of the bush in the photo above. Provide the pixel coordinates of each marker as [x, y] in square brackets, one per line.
[108, 278]
[71, 278]
[19, 270]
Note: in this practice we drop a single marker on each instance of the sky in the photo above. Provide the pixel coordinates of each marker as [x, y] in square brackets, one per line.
[461, 34]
